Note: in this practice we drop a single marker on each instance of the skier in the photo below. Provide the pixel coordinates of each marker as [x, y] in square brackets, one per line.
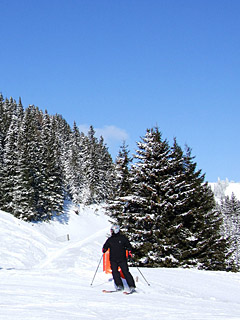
[118, 244]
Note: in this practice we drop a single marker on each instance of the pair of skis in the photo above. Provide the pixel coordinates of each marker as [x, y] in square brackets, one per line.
[124, 292]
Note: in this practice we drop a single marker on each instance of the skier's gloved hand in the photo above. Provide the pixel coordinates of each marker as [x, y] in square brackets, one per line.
[130, 256]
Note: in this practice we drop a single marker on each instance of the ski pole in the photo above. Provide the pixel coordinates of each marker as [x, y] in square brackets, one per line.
[140, 272]
[96, 270]
[143, 276]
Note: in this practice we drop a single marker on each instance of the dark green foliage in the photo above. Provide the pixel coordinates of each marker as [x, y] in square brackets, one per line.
[28, 174]
[123, 161]
[74, 165]
[122, 183]
[10, 159]
[50, 178]
[168, 214]
[10, 118]
[98, 169]
[43, 162]
[1, 147]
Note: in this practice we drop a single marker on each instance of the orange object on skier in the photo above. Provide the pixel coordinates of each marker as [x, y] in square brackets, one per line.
[107, 265]
[106, 262]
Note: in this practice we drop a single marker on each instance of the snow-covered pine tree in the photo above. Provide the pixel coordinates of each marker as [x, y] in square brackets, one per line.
[8, 110]
[2, 130]
[49, 185]
[168, 215]
[106, 171]
[97, 169]
[90, 168]
[75, 164]
[142, 209]
[1, 147]
[197, 240]
[10, 158]
[123, 161]
[230, 209]
[25, 197]
[122, 184]
[64, 138]
[56, 172]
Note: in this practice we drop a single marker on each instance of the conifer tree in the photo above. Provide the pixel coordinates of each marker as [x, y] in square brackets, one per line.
[91, 167]
[49, 187]
[7, 114]
[75, 164]
[1, 126]
[230, 209]
[10, 153]
[169, 214]
[2, 138]
[56, 172]
[10, 161]
[64, 138]
[199, 240]
[97, 169]
[122, 184]
[25, 195]
[123, 161]
[106, 171]
[141, 214]
[2, 131]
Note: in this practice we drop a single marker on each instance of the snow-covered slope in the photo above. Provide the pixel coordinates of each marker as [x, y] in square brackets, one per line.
[45, 276]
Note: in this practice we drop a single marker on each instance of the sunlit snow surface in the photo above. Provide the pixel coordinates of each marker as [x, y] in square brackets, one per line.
[44, 276]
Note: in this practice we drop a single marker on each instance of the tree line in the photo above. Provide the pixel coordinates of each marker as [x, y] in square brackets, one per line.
[44, 161]
[157, 196]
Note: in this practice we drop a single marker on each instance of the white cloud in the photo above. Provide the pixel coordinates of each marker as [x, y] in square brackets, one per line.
[112, 135]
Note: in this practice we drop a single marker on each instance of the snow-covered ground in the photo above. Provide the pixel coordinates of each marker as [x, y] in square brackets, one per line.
[45, 276]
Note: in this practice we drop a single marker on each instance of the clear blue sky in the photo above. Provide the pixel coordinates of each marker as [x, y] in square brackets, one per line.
[127, 65]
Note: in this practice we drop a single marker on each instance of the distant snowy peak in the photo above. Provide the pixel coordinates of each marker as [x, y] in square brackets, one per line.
[224, 188]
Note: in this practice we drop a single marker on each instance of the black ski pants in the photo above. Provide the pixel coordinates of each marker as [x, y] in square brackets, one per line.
[116, 274]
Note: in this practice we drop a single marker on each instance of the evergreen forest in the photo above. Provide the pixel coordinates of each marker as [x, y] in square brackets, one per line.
[157, 196]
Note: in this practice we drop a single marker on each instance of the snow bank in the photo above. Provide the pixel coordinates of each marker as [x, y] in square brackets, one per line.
[43, 277]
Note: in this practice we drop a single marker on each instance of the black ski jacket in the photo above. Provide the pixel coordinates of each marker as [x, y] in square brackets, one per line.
[118, 244]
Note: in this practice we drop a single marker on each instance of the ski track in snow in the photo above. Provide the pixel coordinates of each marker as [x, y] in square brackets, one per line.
[77, 245]
[56, 283]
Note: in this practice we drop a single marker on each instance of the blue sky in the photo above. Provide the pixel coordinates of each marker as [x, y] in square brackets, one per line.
[127, 65]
